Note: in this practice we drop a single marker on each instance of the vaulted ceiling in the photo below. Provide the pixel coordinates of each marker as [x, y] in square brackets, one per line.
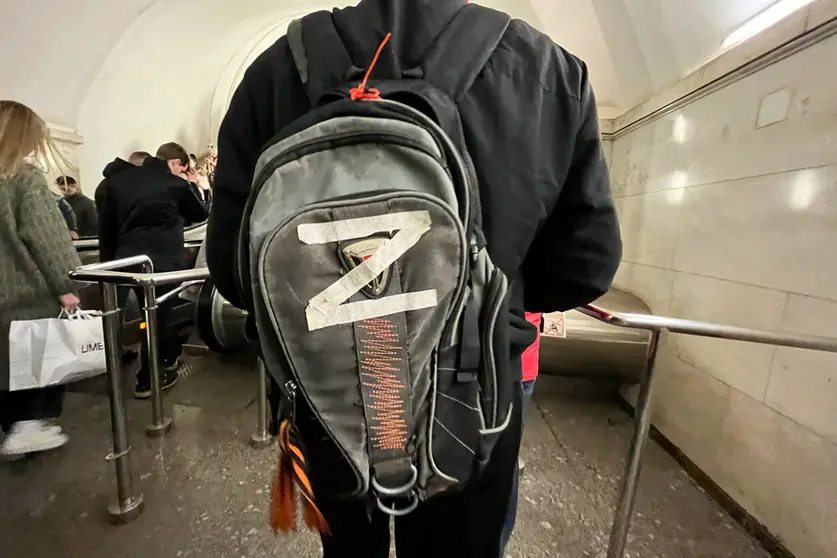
[53, 50]
[130, 74]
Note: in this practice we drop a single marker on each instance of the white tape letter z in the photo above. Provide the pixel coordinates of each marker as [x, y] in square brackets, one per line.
[328, 308]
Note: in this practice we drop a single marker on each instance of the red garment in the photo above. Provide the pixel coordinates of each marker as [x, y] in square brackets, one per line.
[531, 355]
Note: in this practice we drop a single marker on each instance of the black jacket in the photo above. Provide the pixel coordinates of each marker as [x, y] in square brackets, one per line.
[86, 217]
[204, 196]
[142, 210]
[531, 127]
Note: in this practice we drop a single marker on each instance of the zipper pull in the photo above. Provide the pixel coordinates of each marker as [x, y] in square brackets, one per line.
[475, 251]
[290, 387]
[290, 390]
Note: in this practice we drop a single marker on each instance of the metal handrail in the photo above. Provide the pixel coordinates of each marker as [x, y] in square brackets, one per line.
[130, 506]
[105, 275]
[94, 274]
[658, 325]
[90, 244]
[179, 289]
[143, 260]
[707, 329]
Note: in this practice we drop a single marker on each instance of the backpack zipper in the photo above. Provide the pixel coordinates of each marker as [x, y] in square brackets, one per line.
[362, 137]
[290, 391]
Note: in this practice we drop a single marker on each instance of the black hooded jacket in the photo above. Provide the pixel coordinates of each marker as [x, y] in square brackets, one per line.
[142, 210]
[531, 126]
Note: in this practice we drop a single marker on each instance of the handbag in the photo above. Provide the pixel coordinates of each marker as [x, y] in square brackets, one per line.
[54, 351]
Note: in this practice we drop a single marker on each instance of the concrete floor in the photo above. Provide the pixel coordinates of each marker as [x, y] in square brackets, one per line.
[206, 491]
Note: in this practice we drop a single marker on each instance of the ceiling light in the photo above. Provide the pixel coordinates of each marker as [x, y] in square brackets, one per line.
[763, 20]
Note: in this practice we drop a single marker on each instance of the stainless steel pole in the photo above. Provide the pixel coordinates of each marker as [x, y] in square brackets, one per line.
[160, 425]
[262, 437]
[642, 427]
[129, 505]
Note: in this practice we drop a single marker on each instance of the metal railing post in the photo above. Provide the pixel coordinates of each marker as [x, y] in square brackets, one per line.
[262, 437]
[658, 325]
[630, 481]
[129, 506]
[160, 425]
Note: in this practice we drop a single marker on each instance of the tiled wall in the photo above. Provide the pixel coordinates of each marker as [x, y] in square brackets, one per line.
[728, 217]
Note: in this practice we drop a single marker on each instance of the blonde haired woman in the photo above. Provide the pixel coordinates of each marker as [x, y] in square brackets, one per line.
[207, 164]
[36, 254]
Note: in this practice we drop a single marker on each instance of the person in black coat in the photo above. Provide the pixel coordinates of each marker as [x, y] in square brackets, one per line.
[531, 126]
[142, 210]
[83, 207]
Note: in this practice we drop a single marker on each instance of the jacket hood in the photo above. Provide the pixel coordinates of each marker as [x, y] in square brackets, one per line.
[157, 164]
[116, 166]
[414, 26]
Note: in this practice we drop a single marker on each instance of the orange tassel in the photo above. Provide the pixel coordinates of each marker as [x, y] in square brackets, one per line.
[290, 477]
[314, 519]
[283, 504]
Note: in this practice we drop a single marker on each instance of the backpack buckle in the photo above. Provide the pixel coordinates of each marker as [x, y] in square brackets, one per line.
[405, 491]
[398, 491]
[400, 512]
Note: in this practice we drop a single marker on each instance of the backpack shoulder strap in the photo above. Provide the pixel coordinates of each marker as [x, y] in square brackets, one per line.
[315, 39]
[463, 48]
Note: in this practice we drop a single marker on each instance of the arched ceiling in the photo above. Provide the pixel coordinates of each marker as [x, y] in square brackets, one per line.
[54, 51]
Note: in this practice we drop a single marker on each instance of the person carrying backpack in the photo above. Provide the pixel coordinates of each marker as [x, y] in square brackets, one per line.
[406, 177]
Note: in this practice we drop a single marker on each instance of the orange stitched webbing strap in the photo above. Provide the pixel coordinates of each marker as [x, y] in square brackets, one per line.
[290, 477]
[360, 92]
[383, 368]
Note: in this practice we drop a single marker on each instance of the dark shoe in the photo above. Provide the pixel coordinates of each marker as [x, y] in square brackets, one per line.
[171, 365]
[143, 387]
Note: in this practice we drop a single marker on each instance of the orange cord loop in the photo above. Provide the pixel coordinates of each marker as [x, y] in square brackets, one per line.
[361, 92]
[291, 478]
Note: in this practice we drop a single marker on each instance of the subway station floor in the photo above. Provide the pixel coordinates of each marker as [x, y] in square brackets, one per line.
[206, 491]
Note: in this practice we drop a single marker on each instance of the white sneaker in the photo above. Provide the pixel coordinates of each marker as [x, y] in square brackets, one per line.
[32, 436]
[520, 465]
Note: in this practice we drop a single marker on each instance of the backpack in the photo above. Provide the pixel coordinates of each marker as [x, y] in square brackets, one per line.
[362, 256]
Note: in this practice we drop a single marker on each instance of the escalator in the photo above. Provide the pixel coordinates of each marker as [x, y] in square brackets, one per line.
[219, 324]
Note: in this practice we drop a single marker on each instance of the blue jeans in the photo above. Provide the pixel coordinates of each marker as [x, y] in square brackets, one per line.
[511, 514]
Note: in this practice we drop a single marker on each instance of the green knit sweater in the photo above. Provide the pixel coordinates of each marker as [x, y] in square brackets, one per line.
[36, 255]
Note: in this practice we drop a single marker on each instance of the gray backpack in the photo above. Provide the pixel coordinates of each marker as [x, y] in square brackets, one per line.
[378, 309]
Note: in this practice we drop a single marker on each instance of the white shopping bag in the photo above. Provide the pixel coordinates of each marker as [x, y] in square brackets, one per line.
[56, 351]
